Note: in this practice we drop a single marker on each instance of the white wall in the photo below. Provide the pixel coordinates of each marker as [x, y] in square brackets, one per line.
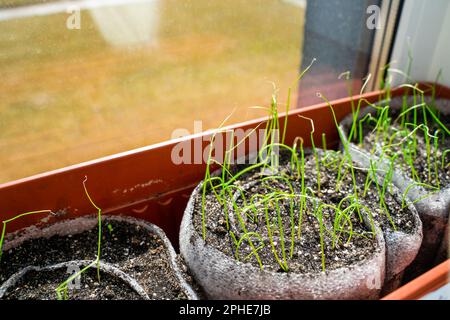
[427, 25]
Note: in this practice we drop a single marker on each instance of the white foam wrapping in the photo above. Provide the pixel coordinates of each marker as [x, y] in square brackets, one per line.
[433, 210]
[223, 277]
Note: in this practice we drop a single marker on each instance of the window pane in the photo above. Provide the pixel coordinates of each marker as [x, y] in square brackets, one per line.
[339, 34]
[133, 72]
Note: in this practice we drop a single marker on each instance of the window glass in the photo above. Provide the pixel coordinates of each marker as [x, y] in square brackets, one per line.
[339, 35]
[85, 79]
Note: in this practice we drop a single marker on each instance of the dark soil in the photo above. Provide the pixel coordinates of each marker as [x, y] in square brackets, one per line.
[425, 172]
[307, 254]
[129, 247]
[396, 216]
[40, 285]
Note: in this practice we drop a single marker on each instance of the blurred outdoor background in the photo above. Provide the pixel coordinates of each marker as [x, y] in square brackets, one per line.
[134, 71]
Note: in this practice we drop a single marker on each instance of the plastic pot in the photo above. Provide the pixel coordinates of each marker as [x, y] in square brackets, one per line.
[111, 270]
[78, 225]
[425, 286]
[223, 277]
[433, 210]
[401, 247]
[145, 183]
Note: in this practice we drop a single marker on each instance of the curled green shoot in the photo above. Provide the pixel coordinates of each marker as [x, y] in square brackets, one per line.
[5, 222]
[288, 103]
[339, 226]
[302, 186]
[368, 118]
[414, 185]
[281, 232]
[242, 224]
[409, 157]
[247, 236]
[264, 161]
[282, 264]
[348, 82]
[99, 219]
[291, 210]
[382, 190]
[353, 205]
[208, 175]
[355, 112]
[345, 143]
[62, 289]
[314, 150]
[380, 128]
[427, 137]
